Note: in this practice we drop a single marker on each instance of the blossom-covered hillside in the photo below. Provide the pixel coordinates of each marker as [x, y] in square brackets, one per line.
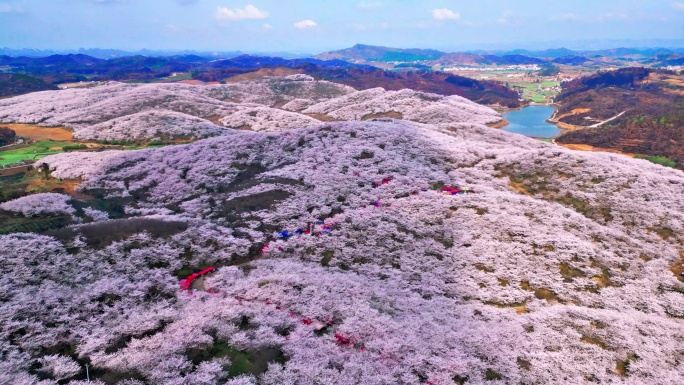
[272, 91]
[118, 111]
[143, 112]
[377, 252]
[152, 124]
[406, 104]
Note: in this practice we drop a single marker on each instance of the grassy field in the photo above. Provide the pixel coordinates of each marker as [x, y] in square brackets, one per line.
[42, 147]
[180, 76]
[39, 149]
[153, 145]
[532, 93]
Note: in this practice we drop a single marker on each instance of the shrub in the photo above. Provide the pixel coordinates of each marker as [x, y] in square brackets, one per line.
[661, 160]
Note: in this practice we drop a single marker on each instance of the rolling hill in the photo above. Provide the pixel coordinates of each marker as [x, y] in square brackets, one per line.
[643, 111]
[17, 84]
[480, 91]
[366, 53]
[362, 52]
[118, 112]
[400, 282]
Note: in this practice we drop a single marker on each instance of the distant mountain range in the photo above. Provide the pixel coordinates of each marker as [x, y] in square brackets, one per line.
[368, 53]
[362, 52]
[45, 72]
[101, 53]
[611, 53]
[29, 74]
[145, 67]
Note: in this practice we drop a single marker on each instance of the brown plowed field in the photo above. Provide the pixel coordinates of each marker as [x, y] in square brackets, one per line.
[34, 132]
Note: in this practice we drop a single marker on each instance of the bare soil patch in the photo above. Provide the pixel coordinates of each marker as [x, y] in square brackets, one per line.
[34, 132]
[62, 186]
[322, 117]
[586, 147]
[678, 268]
[193, 82]
[390, 114]
[674, 80]
[567, 127]
[575, 111]
[216, 119]
[263, 73]
[519, 307]
[500, 124]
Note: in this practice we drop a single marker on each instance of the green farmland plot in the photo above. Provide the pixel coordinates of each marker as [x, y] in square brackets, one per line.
[43, 147]
[536, 92]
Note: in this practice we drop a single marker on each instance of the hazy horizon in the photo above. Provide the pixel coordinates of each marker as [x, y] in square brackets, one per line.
[306, 26]
[588, 45]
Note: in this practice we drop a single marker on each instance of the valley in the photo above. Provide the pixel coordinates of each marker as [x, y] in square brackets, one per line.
[370, 215]
[383, 229]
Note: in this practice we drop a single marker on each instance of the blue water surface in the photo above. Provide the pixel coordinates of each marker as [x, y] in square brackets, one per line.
[531, 121]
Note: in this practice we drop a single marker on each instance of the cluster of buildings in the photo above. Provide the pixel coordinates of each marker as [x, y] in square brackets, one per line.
[677, 69]
[516, 67]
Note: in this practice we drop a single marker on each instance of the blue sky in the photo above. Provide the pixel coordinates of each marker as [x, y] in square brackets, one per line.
[314, 26]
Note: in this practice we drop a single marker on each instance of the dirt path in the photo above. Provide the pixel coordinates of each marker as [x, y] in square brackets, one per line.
[607, 120]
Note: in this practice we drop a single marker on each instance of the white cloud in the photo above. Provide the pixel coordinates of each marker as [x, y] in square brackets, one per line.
[7, 8]
[505, 17]
[616, 16]
[304, 24]
[678, 6]
[267, 26]
[248, 12]
[445, 14]
[569, 17]
[368, 5]
[170, 28]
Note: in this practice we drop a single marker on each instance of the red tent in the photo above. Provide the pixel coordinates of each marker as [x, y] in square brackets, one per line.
[187, 282]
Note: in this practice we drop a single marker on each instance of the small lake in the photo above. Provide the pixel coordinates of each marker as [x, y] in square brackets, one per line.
[531, 121]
